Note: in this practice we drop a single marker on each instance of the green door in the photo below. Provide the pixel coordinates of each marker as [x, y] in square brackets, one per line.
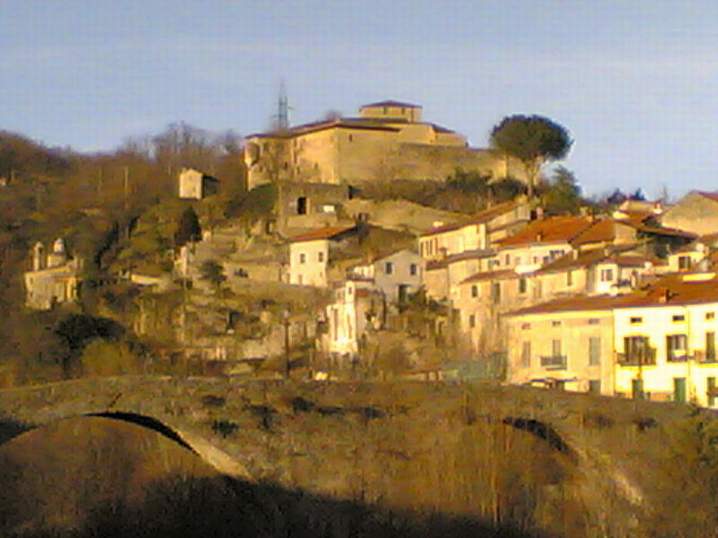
[679, 389]
[637, 389]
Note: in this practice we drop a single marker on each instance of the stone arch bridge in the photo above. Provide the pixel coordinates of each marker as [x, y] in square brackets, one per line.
[405, 443]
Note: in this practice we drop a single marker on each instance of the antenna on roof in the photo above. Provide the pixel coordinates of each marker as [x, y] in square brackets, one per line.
[281, 118]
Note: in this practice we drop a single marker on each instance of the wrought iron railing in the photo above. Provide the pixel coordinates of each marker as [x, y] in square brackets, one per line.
[643, 357]
[554, 362]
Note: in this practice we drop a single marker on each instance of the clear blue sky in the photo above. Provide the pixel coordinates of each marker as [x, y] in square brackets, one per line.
[635, 81]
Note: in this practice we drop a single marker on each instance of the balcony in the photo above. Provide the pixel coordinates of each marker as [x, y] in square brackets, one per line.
[554, 362]
[700, 355]
[644, 357]
[677, 355]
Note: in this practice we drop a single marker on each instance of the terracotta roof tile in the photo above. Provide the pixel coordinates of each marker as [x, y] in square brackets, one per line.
[480, 218]
[548, 230]
[503, 274]
[322, 233]
[710, 195]
[674, 290]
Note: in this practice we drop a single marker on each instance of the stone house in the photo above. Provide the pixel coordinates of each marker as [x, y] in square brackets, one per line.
[55, 277]
[388, 140]
[195, 185]
[566, 343]
[396, 274]
[303, 206]
[310, 254]
[696, 212]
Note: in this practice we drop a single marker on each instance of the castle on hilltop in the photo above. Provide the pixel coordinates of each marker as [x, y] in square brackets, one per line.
[388, 140]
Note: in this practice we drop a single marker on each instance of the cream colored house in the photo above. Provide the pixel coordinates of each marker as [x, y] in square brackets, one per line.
[566, 343]
[54, 279]
[660, 342]
[389, 140]
[309, 255]
[442, 277]
[195, 185]
[477, 233]
[396, 275]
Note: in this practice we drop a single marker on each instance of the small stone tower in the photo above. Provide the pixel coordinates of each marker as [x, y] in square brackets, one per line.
[58, 256]
[38, 257]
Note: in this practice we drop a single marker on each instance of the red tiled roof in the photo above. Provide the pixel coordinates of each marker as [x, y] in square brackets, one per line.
[503, 274]
[480, 218]
[601, 231]
[476, 254]
[671, 290]
[322, 233]
[586, 259]
[392, 103]
[548, 230]
[342, 123]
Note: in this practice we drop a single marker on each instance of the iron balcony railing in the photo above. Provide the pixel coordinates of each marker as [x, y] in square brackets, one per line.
[554, 362]
[643, 357]
[701, 355]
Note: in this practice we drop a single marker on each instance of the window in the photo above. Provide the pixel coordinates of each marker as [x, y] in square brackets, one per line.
[413, 269]
[710, 315]
[350, 290]
[679, 317]
[389, 268]
[684, 263]
[606, 275]
[421, 249]
[710, 346]
[553, 254]
[593, 321]
[526, 354]
[474, 291]
[300, 279]
[676, 347]
[350, 332]
[555, 324]
[496, 292]
[637, 389]
[320, 257]
[594, 386]
[472, 321]
[302, 258]
[556, 348]
[351, 138]
[508, 260]
[522, 285]
[569, 278]
[525, 326]
[636, 321]
[594, 351]
[302, 205]
[637, 351]
[711, 391]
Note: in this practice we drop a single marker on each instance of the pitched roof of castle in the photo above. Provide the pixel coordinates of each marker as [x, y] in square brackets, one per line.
[392, 103]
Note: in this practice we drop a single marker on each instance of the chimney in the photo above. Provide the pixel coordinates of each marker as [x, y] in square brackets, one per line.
[665, 295]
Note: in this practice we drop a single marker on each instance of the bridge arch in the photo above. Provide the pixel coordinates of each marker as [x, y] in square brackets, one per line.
[205, 450]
